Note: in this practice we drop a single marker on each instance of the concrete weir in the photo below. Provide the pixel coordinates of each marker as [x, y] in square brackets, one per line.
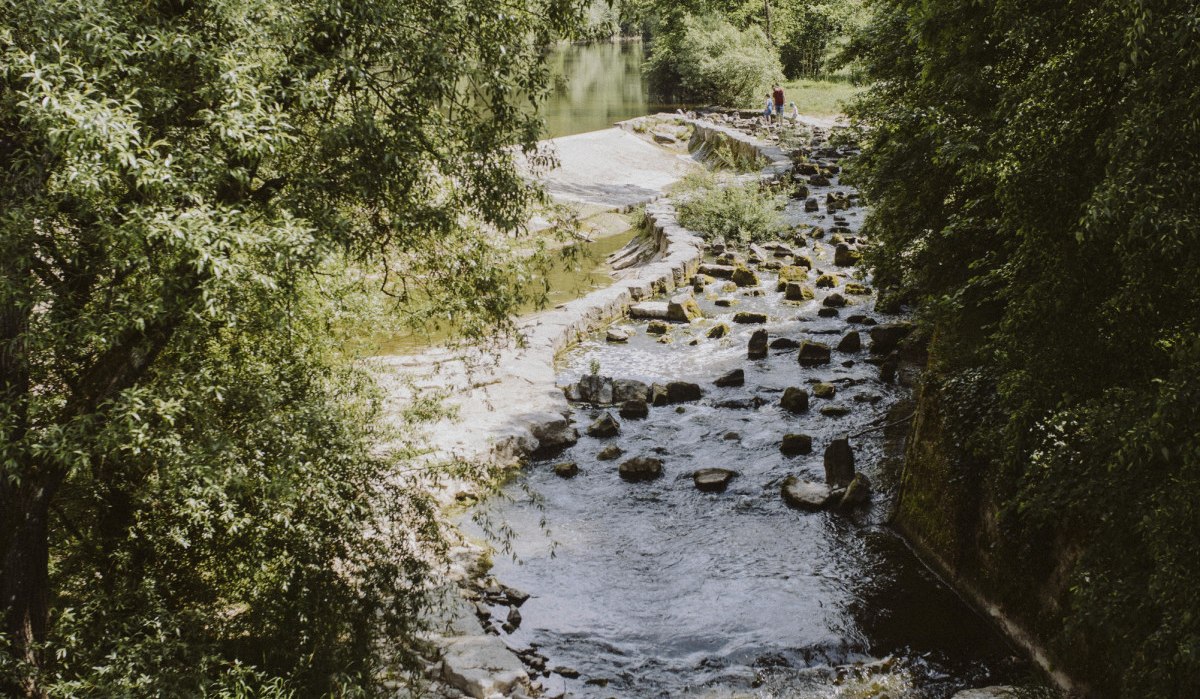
[506, 403]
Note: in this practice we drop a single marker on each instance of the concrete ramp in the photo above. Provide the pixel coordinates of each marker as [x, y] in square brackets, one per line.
[612, 168]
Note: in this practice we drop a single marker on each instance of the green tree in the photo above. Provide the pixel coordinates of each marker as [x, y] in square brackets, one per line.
[709, 60]
[1033, 171]
[196, 195]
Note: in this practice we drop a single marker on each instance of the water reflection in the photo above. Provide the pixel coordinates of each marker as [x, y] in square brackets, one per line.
[597, 85]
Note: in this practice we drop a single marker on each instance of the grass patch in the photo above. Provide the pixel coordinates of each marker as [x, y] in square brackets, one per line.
[820, 97]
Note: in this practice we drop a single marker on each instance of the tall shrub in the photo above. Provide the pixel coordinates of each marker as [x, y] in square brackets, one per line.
[708, 60]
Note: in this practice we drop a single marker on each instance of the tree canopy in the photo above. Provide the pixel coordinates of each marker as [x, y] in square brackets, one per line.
[197, 197]
[1033, 171]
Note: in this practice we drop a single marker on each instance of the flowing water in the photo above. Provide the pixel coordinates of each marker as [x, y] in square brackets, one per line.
[659, 590]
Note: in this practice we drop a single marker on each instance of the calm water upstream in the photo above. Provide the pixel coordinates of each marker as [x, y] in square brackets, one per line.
[659, 590]
[597, 85]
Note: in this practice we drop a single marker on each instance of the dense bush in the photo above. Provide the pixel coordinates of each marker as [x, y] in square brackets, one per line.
[737, 212]
[1034, 172]
[198, 493]
[707, 60]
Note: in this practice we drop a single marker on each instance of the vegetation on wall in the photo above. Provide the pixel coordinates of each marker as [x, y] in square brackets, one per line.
[1033, 169]
[200, 202]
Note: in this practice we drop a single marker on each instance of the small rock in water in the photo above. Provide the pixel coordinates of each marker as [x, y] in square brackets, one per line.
[806, 495]
[731, 436]
[567, 469]
[749, 318]
[851, 342]
[609, 453]
[858, 319]
[718, 331]
[796, 444]
[834, 300]
[724, 302]
[514, 617]
[857, 289]
[824, 390]
[744, 277]
[617, 335]
[839, 462]
[683, 308]
[827, 312]
[796, 291]
[812, 353]
[794, 400]
[712, 480]
[783, 343]
[605, 426]
[858, 492]
[996, 692]
[835, 411]
[640, 468]
[885, 338]
[635, 409]
[515, 597]
[568, 672]
[683, 392]
[737, 377]
[629, 389]
[657, 327]
[826, 281]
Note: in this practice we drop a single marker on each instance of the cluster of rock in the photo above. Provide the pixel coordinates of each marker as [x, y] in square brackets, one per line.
[842, 488]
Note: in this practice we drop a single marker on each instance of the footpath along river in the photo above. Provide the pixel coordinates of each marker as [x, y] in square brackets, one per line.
[656, 589]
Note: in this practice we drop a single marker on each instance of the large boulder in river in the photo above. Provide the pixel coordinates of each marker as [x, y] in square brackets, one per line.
[640, 468]
[624, 390]
[813, 353]
[794, 400]
[834, 300]
[605, 426]
[839, 462]
[683, 392]
[806, 495]
[737, 377]
[796, 444]
[885, 337]
[757, 348]
[683, 308]
[713, 480]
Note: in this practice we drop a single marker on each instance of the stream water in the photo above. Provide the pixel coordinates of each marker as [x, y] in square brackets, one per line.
[659, 590]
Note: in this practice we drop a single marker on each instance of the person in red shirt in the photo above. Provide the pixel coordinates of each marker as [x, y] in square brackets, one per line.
[777, 93]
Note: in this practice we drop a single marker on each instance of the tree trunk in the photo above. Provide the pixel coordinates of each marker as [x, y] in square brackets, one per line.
[770, 36]
[24, 577]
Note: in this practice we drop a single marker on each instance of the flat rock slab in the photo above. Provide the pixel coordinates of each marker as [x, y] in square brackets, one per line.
[998, 692]
[611, 167]
[481, 666]
[653, 310]
[806, 495]
[713, 480]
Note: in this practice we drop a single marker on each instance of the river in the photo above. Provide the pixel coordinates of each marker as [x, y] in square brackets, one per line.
[659, 590]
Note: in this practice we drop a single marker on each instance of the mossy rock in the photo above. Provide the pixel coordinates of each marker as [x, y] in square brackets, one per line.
[827, 281]
[793, 273]
[856, 289]
[718, 331]
[743, 276]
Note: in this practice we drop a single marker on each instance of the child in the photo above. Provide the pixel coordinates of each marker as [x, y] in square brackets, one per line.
[767, 110]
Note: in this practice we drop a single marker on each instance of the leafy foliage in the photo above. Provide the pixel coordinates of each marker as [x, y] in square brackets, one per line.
[1033, 169]
[710, 61]
[202, 200]
[742, 212]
